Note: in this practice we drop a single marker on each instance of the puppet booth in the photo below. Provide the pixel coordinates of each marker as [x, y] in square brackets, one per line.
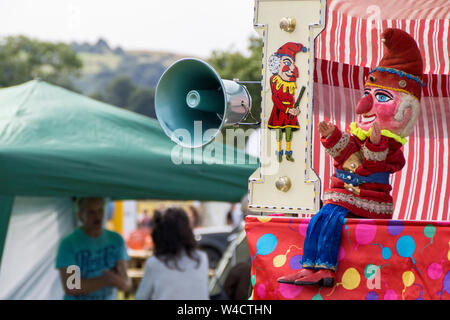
[352, 184]
[404, 255]
[57, 144]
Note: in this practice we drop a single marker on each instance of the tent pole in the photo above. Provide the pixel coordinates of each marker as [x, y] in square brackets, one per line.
[6, 203]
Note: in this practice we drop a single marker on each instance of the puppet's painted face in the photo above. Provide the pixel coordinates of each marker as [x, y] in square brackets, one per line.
[288, 71]
[387, 107]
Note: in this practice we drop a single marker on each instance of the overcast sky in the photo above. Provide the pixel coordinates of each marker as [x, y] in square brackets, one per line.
[193, 27]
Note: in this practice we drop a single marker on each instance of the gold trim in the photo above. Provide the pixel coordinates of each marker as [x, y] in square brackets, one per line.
[352, 189]
[283, 127]
[374, 155]
[390, 88]
[369, 205]
[335, 150]
[353, 161]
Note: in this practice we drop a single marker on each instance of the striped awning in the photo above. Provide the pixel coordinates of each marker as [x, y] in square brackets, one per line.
[353, 25]
[344, 55]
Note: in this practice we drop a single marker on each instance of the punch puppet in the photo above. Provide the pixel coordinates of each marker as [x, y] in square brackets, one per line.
[283, 117]
[365, 157]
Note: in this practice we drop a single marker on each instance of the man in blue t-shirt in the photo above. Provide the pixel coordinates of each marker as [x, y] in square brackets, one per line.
[98, 255]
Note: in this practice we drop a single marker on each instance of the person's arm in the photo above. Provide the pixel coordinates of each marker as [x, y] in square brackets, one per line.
[86, 285]
[231, 283]
[66, 258]
[145, 289]
[119, 277]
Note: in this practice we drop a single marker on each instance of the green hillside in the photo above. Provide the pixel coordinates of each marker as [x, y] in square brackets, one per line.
[128, 79]
[101, 64]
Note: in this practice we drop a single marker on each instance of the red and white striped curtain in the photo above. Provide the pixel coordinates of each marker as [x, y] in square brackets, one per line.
[344, 55]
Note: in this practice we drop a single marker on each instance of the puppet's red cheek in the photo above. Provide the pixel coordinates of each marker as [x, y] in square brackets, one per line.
[385, 111]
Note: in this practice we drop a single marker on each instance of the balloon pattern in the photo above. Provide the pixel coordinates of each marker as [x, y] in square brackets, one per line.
[296, 262]
[318, 296]
[408, 280]
[405, 247]
[386, 252]
[370, 271]
[411, 259]
[420, 297]
[434, 271]
[350, 280]
[372, 295]
[289, 292]
[365, 232]
[280, 259]
[395, 227]
[445, 284]
[266, 244]
[347, 231]
[448, 254]
[260, 290]
[429, 231]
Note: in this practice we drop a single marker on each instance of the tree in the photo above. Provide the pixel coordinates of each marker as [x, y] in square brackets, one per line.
[235, 65]
[119, 90]
[122, 92]
[142, 101]
[232, 65]
[23, 59]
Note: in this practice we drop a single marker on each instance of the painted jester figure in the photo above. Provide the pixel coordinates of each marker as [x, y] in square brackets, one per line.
[283, 84]
[365, 157]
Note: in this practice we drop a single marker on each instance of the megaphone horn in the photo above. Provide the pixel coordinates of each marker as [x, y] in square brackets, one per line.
[191, 92]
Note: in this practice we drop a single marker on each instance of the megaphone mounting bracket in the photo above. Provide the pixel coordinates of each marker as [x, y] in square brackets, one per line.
[247, 81]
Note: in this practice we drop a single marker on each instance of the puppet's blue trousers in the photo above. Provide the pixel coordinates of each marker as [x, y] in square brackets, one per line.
[323, 238]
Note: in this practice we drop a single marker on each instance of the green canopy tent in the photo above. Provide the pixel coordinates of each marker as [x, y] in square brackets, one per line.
[57, 143]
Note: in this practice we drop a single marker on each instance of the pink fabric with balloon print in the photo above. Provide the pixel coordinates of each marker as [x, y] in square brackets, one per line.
[378, 259]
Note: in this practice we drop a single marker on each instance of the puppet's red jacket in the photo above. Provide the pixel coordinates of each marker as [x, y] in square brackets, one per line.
[354, 153]
[283, 100]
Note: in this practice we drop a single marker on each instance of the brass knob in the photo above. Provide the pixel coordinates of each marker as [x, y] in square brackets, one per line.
[283, 184]
[287, 24]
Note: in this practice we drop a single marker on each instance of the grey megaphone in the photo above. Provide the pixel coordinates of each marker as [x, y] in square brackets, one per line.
[193, 103]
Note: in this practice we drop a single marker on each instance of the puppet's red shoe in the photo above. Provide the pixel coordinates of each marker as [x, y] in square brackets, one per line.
[290, 278]
[321, 277]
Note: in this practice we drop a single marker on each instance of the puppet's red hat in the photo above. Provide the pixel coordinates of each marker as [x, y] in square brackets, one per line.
[401, 67]
[290, 49]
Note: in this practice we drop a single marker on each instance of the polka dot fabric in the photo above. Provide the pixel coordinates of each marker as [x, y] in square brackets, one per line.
[378, 260]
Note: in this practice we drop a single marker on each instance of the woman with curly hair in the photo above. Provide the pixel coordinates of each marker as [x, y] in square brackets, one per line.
[177, 270]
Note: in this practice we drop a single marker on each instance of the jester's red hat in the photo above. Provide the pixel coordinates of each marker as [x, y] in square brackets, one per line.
[401, 67]
[289, 49]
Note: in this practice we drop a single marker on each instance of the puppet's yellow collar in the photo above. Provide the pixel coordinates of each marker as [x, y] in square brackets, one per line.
[287, 85]
[363, 135]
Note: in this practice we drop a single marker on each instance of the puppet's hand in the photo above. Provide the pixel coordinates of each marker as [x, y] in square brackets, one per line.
[325, 129]
[294, 111]
[375, 134]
